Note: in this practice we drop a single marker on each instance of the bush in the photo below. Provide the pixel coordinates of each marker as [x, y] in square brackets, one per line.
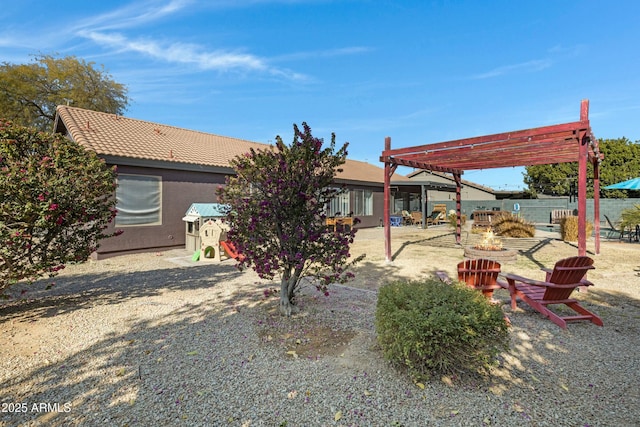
[630, 217]
[56, 203]
[429, 327]
[480, 230]
[509, 225]
[452, 219]
[569, 228]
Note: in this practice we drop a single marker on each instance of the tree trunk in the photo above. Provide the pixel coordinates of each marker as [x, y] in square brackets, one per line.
[287, 287]
[286, 305]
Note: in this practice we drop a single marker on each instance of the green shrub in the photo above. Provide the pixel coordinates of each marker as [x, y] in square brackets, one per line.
[429, 327]
[452, 220]
[569, 228]
[630, 217]
[509, 225]
[56, 203]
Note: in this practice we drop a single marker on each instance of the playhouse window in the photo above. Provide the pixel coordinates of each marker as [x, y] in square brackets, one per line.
[139, 200]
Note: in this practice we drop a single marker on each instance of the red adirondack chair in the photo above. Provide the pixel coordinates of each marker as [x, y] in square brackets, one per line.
[568, 274]
[480, 274]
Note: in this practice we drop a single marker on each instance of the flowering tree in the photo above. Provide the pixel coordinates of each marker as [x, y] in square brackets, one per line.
[56, 201]
[278, 200]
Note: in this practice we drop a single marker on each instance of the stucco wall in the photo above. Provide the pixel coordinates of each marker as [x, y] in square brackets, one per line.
[179, 190]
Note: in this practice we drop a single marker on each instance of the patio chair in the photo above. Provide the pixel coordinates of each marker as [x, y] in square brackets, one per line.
[438, 215]
[481, 274]
[417, 217]
[613, 230]
[482, 219]
[566, 275]
[433, 218]
[407, 219]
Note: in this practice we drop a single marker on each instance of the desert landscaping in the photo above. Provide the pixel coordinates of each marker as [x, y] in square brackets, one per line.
[156, 339]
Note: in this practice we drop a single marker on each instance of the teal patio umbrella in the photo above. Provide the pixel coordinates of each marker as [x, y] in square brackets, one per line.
[632, 184]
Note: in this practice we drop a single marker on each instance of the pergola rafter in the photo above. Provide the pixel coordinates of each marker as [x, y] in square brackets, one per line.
[562, 143]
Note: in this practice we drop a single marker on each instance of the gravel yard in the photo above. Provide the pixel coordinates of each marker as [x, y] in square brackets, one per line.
[155, 339]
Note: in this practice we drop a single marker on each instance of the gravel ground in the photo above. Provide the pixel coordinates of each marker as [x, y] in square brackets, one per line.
[154, 339]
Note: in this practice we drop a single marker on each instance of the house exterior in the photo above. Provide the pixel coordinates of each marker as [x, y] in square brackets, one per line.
[163, 170]
[470, 190]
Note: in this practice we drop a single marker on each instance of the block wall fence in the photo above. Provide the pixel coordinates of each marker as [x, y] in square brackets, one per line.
[539, 210]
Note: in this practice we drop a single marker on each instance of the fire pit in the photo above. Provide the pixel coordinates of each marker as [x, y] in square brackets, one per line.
[490, 248]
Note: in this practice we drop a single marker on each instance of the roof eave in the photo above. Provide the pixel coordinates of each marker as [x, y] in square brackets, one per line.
[164, 164]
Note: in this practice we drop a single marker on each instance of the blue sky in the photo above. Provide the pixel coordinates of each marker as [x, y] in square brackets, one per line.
[418, 71]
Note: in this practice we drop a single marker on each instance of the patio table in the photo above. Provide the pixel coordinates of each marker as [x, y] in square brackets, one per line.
[395, 220]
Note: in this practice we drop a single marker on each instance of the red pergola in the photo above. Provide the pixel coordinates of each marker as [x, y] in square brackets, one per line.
[563, 143]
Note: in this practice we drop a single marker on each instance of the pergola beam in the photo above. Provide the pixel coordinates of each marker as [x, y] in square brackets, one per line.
[541, 141]
[418, 165]
[505, 136]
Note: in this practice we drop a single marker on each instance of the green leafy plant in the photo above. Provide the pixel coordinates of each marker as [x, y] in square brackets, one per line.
[278, 199]
[57, 200]
[429, 327]
[569, 228]
[508, 225]
[630, 217]
[30, 92]
[621, 162]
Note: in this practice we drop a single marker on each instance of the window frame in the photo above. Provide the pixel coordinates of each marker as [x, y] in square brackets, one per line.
[158, 179]
[362, 198]
[340, 201]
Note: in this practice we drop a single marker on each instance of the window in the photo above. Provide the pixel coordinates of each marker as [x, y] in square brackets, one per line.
[139, 200]
[339, 205]
[363, 201]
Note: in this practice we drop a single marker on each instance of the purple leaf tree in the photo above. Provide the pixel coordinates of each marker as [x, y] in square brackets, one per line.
[278, 201]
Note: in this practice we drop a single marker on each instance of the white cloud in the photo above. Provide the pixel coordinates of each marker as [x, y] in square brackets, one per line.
[190, 54]
[133, 15]
[527, 67]
[568, 52]
[354, 50]
[117, 32]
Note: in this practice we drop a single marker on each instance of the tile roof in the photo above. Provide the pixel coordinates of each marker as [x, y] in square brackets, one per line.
[354, 170]
[450, 178]
[113, 135]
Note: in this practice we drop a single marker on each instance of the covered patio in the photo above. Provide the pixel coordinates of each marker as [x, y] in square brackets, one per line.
[413, 196]
[562, 143]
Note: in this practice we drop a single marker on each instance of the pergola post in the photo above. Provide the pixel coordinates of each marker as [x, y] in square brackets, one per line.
[387, 196]
[596, 202]
[423, 205]
[582, 181]
[458, 179]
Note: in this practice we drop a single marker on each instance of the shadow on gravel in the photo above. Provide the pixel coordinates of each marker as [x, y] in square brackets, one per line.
[445, 240]
[205, 362]
[163, 371]
[371, 275]
[79, 292]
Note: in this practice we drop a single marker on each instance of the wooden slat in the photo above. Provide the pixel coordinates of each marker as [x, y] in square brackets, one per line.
[505, 136]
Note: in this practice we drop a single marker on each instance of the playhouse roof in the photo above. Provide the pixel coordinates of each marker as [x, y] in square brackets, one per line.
[205, 210]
